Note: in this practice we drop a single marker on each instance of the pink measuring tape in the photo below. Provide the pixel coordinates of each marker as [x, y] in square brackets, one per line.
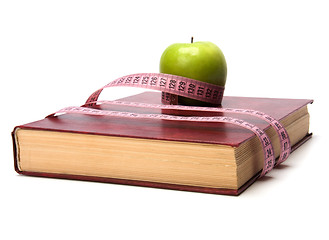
[173, 86]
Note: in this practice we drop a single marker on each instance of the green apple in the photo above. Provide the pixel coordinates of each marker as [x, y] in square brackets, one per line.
[203, 61]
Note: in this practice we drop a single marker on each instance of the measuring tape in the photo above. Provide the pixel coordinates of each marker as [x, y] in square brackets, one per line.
[173, 86]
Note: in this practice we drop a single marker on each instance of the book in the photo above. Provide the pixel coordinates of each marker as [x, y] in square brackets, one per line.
[218, 158]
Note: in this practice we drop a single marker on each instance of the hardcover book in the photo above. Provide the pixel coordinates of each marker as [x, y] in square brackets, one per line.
[218, 158]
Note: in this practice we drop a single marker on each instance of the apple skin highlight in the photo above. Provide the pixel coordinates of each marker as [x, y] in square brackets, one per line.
[203, 61]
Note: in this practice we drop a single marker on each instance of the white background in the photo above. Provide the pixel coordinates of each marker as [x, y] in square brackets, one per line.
[54, 54]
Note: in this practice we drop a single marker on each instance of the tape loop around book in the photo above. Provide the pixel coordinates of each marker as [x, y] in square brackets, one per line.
[175, 85]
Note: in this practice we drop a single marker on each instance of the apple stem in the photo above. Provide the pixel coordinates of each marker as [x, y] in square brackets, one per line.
[191, 39]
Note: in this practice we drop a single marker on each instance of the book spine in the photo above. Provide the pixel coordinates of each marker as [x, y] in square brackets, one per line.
[15, 150]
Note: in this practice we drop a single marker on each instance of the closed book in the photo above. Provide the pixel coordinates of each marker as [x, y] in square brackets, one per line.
[218, 158]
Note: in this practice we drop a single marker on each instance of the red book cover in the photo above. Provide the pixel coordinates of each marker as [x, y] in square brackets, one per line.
[214, 133]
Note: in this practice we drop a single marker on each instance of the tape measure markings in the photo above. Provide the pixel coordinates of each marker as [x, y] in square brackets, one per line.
[173, 86]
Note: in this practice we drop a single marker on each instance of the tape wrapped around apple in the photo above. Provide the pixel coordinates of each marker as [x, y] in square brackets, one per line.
[203, 61]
